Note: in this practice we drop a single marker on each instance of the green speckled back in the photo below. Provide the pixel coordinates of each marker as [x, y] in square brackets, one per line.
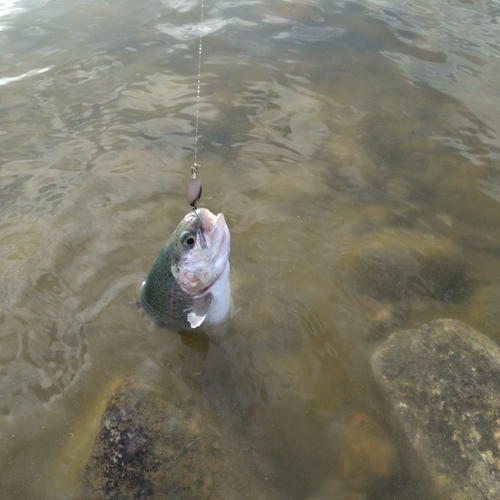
[161, 296]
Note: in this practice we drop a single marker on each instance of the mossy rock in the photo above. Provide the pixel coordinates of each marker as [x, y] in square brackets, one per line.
[441, 384]
[152, 445]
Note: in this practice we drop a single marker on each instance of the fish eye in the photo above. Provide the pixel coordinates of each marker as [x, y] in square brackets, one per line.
[188, 239]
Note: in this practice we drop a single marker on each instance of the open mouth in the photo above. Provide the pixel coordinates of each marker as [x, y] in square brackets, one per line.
[211, 221]
[212, 230]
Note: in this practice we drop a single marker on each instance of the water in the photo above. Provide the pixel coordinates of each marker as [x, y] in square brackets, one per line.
[320, 122]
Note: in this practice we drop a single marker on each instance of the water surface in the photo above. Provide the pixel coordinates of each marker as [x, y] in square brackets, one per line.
[320, 122]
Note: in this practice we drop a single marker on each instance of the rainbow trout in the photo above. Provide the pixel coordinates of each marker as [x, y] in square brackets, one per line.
[188, 284]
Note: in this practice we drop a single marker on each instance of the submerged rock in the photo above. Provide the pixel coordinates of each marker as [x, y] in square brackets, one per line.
[153, 446]
[383, 320]
[368, 456]
[465, 199]
[398, 264]
[335, 489]
[442, 382]
[354, 171]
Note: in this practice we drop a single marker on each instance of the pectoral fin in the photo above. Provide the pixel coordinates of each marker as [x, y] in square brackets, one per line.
[198, 311]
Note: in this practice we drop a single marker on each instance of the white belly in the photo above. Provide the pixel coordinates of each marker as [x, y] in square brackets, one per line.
[220, 308]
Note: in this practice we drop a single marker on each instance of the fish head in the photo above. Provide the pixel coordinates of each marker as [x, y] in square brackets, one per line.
[202, 244]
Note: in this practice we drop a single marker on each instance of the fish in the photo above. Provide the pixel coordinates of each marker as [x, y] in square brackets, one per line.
[188, 285]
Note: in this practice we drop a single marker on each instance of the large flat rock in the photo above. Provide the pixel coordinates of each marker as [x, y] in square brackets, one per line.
[442, 382]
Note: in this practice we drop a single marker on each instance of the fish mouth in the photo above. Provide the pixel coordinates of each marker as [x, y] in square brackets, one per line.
[213, 230]
[209, 221]
[216, 241]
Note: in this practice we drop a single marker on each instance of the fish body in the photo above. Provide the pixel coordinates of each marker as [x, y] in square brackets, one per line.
[188, 284]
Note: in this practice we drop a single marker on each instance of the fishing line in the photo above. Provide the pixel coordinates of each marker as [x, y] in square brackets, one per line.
[194, 185]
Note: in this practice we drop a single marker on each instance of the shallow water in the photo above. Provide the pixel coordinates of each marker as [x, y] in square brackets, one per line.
[320, 122]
